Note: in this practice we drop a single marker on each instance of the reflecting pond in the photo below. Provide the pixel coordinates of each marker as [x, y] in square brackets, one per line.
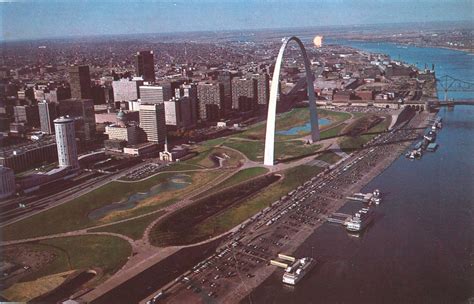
[174, 182]
[304, 128]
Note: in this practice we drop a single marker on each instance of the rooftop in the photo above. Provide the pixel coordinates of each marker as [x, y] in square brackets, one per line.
[26, 146]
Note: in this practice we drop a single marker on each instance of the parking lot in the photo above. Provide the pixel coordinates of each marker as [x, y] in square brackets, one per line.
[243, 260]
[144, 171]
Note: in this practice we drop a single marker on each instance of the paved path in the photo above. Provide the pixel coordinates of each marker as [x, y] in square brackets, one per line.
[69, 234]
[337, 149]
[146, 255]
[318, 163]
[137, 264]
[395, 118]
[186, 200]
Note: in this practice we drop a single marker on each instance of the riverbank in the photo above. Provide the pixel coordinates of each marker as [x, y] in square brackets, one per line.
[414, 44]
[233, 291]
[420, 122]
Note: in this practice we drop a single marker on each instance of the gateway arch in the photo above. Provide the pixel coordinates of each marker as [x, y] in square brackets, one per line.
[270, 133]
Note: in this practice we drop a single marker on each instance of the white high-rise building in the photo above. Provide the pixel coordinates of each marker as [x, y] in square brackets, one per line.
[152, 94]
[7, 182]
[126, 89]
[152, 121]
[66, 142]
[134, 105]
[127, 133]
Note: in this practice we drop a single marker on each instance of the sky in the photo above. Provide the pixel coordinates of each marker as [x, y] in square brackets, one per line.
[48, 19]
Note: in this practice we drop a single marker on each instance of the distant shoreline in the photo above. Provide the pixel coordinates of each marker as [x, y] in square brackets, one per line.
[465, 50]
[326, 30]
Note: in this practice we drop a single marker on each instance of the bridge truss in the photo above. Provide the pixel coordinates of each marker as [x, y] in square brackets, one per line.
[451, 84]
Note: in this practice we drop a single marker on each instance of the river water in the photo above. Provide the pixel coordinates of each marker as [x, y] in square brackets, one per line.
[419, 249]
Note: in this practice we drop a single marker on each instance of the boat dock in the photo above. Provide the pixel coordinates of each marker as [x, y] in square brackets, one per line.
[339, 218]
[360, 197]
[432, 147]
[419, 145]
[367, 198]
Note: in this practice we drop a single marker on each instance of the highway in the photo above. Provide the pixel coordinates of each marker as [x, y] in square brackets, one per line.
[11, 212]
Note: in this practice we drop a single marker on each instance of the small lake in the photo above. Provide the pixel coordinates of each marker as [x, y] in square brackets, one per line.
[175, 182]
[306, 128]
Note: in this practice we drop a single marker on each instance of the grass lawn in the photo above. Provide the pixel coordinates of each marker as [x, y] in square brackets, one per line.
[329, 157]
[179, 228]
[202, 159]
[332, 131]
[181, 166]
[73, 215]
[239, 177]
[228, 219]
[133, 228]
[252, 149]
[83, 252]
[285, 121]
[283, 149]
[26, 291]
[348, 143]
[213, 142]
[358, 114]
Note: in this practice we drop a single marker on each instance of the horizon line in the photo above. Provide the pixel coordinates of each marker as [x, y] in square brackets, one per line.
[79, 36]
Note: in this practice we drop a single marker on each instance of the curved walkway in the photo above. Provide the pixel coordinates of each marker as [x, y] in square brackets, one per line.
[69, 234]
[144, 254]
[138, 244]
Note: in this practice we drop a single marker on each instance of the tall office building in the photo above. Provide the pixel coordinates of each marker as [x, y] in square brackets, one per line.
[178, 113]
[190, 91]
[83, 109]
[152, 121]
[26, 94]
[7, 182]
[66, 142]
[211, 101]
[128, 133]
[154, 94]
[244, 94]
[100, 94]
[48, 112]
[225, 77]
[145, 65]
[27, 114]
[126, 89]
[80, 81]
[51, 93]
[263, 88]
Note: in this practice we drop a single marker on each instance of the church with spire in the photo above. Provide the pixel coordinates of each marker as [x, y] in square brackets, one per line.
[174, 154]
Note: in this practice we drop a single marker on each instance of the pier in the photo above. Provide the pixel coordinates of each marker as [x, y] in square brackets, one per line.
[339, 218]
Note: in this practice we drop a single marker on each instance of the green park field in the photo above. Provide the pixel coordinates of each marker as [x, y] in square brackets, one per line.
[203, 178]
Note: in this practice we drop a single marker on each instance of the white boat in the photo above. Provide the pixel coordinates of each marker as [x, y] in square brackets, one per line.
[361, 219]
[294, 273]
[376, 197]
